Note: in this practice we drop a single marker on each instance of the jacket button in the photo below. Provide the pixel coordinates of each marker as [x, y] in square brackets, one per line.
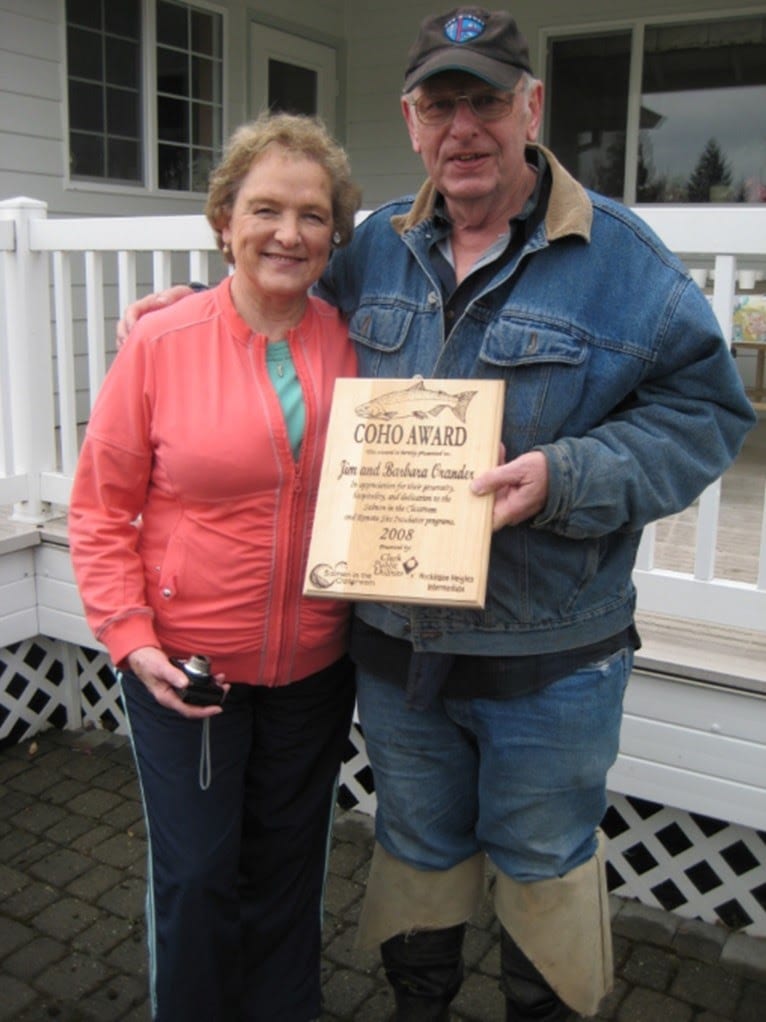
[432, 298]
[167, 593]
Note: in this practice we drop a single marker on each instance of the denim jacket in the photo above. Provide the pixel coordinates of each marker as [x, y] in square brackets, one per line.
[615, 369]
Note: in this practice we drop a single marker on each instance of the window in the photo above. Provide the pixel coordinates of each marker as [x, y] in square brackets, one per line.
[291, 73]
[189, 95]
[107, 98]
[695, 131]
[104, 90]
[588, 101]
[292, 89]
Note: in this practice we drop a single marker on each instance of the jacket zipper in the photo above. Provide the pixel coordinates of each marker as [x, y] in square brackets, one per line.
[281, 619]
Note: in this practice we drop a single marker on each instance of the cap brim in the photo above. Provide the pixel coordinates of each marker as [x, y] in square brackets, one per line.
[495, 72]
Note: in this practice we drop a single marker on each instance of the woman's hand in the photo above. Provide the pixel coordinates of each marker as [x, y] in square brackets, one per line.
[164, 681]
[149, 303]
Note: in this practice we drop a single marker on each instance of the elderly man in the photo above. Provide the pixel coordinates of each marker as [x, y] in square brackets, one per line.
[622, 404]
[490, 733]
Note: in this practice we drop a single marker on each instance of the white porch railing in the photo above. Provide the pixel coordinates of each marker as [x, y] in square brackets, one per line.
[64, 282]
[727, 243]
[95, 265]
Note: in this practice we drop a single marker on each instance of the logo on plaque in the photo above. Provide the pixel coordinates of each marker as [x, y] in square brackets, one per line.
[417, 402]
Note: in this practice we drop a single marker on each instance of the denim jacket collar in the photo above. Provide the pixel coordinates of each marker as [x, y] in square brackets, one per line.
[569, 208]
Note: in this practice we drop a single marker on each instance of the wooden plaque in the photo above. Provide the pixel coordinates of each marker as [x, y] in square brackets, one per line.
[395, 518]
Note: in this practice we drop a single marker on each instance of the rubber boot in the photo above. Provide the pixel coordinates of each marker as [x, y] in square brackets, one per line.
[527, 995]
[425, 969]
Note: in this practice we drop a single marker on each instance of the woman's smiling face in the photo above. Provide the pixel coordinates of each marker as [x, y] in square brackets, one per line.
[281, 225]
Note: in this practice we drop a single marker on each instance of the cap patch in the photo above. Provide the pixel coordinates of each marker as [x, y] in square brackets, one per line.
[464, 28]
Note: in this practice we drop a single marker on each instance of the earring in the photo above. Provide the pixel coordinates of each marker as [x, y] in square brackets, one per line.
[226, 250]
[336, 238]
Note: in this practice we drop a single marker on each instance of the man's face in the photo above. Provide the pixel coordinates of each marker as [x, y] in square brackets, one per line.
[469, 159]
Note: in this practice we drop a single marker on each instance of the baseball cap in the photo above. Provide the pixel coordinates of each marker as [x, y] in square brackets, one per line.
[487, 44]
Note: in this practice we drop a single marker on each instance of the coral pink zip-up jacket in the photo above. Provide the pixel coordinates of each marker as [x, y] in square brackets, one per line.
[188, 433]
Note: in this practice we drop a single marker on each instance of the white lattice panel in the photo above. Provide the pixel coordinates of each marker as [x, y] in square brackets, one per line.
[692, 865]
[356, 785]
[45, 682]
[99, 692]
[31, 692]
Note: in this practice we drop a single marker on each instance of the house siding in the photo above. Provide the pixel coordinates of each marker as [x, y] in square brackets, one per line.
[31, 152]
[18, 595]
[33, 96]
[33, 147]
[371, 37]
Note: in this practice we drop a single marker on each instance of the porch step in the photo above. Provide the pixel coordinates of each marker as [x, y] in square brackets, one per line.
[699, 651]
[16, 535]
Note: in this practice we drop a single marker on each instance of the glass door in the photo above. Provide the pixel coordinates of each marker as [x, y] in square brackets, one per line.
[292, 74]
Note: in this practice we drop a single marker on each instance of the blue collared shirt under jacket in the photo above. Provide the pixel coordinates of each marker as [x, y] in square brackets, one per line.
[615, 368]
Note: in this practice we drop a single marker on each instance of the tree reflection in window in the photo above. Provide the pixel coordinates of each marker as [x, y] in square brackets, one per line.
[699, 117]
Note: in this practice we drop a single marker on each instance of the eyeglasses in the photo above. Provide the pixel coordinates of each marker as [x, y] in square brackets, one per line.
[487, 106]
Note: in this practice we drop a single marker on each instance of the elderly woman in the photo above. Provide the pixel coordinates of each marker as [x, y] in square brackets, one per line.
[190, 517]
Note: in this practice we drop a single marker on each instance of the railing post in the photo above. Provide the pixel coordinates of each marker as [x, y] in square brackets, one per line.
[27, 328]
[723, 293]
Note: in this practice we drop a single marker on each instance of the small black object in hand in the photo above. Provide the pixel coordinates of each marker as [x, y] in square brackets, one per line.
[202, 689]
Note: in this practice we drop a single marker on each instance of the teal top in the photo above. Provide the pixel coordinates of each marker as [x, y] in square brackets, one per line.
[283, 377]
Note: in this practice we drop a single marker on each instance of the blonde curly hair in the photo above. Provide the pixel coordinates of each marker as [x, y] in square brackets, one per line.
[297, 134]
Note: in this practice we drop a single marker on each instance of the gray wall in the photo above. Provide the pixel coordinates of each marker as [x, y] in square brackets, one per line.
[371, 36]
[33, 90]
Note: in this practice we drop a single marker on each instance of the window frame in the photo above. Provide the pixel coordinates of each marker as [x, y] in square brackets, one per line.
[637, 28]
[148, 86]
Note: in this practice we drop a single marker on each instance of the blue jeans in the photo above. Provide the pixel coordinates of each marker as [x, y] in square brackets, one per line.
[521, 779]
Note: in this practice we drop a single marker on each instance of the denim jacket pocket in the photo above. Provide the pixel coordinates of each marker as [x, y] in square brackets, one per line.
[545, 370]
[511, 343]
[390, 339]
[380, 327]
